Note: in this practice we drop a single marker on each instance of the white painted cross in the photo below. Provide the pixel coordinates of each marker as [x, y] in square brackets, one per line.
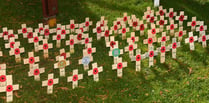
[31, 60]
[72, 26]
[87, 23]
[153, 31]
[35, 40]
[134, 22]
[161, 11]
[161, 23]
[151, 53]
[173, 46]
[171, 14]
[50, 82]
[119, 66]
[36, 71]
[180, 33]
[10, 35]
[46, 31]
[152, 19]
[58, 38]
[203, 39]
[115, 52]
[89, 50]
[98, 30]
[71, 42]
[132, 45]
[23, 30]
[74, 78]
[181, 18]
[3, 76]
[138, 59]
[63, 53]
[126, 17]
[123, 31]
[87, 40]
[141, 27]
[111, 43]
[79, 36]
[4, 32]
[45, 47]
[201, 28]
[17, 51]
[163, 39]
[40, 28]
[82, 27]
[102, 21]
[29, 33]
[95, 71]
[115, 27]
[172, 27]
[193, 23]
[191, 40]
[61, 64]
[106, 33]
[162, 51]
[63, 30]
[11, 43]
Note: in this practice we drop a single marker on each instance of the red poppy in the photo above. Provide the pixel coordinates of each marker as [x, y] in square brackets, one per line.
[174, 46]
[86, 40]
[115, 27]
[71, 42]
[30, 35]
[112, 43]
[64, 55]
[99, 30]
[24, 30]
[161, 22]
[9, 88]
[162, 49]
[36, 72]
[131, 47]
[181, 18]
[10, 35]
[45, 46]
[35, 39]
[79, 36]
[46, 32]
[201, 28]
[72, 26]
[124, 30]
[107, 33]
[95, 71]
[87, 23]
[50, 82]
[193, 23]
[148, 16]
[58, 37]
[63, 32]
[142, 27]
[171, 14]
[17, 51]
[152, 19]
[135, 23]
[40, 29]
[163, 38]
[3, 78]
[31, 60]
[125, 18]
[118, 22]
[138, 57]
[151, 53]
[180, 33]
[5, 33]
[58, 28]
[75, 77]
[150, 41]
[133, 39]
[203, 38]
[161, 12]
[89, 50]
[12, 44]
[191, 39]
[171, 26]
[120, 66]
[153, 31]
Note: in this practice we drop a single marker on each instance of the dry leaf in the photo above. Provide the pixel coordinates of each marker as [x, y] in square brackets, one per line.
[63, 88]
[17, 95]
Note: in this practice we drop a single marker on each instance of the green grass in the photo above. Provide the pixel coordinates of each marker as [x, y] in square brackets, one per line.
[167, 83]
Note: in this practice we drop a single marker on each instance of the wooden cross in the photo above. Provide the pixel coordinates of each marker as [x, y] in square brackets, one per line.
[161, 22]
[50, 82]
[138, 59]
[64, 54]
[148, 13]
[106, 33]
[151, 53]
[35, 40]
[193, 23]
[102, 21]
[17, 51]
[95, 71]
[82, 27]
[111, 43]
[23, 30]
[171, 14]
[31, 60]
[98, 30]
[4, 32]
[152, 19]
[3, 76]
[120, 21]
[115, 27]
[191, 40]
[36, 71]
[119, 66]
[10, 35]
[74, 78]
[64, 31]
[141, 27]
[89, 50]
[11, 43]
[163, 39]
[29, 33]
[133, 38]
[150, 40]
[172, 27]
[126, 18]
[61, 64]
[161, 11]
[1, 54]
[132, 45]
[153, 31]
[115, 52]
[86, 60]
[123, 31]
[72, 26]
[181, 18]
[173, 46]
[9, 88]
[58, 38]
[71, 42]
[79, 36]
[40, 28]
[87, 23]
[45, 47]
[203, 38]
[162, 51]
[87, 40]
[180, 33]
[46, 31]
[134, 22]
[201, 28]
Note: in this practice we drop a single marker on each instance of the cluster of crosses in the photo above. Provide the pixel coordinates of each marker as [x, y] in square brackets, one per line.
[153, 25]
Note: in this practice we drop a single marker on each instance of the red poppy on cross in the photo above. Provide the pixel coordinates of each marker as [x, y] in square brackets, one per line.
[161, 23]
[137, 58]
[153, 31]
[58, 38]
[191, 40]
[203, 38]
[72, 26]
[193, 23]
[171, 14]
[142, 27]
[161, 11]
[23, 30]
[74, 78]
[172, 27]
[181, 18]
[11, 43]
[36, 71]
[163, 39]
[71, 42]
[95, 71]
[123, 31]
[17, 51]
[45, 47]
[119, 66]
[3, 76]
[31, 60]
[201, 28]
[10, 35]
[180, 33]
[88, 23]
[46, 31]
[151, 53]
[115, 27]
[106, 33]
[40, 28]
[4, 32]
[50, 82]
[35, 40]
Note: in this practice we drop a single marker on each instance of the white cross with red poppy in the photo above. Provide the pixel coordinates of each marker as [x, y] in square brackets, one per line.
[4, 32]
[36, 71]
[86, 40]
[106, 33]
[111, 43]
[161, 11]
[130, 48]
[3, 76]
[119, 66]
[9, 88]
[50, 82]
[71, 42]
[61, 64]
[151, 53]
[141, 27]
[11, 43]
[133, 38]
[152, 19]
[40, 28]
[203, 38]
[123, 31]
[181, 18]
[161, 23]
[99, 29]
[102, 21]
[95, 71]
[180, 33]
[126, 18]
[193, 23]
[148, 13]
[31, 60]
[115, 27]
[58, 38]
[74, 78]
[162, 51]
[120, 21]
[35, 40]
[17, 51]
[173, 46]
[138, 59]
[150, 40]
[89, 50]
[153, 31]
[172, 27]
[64, 31]
[46, 31]
[23, 30]
[191, 40]
[171, 14]
[201, 28]
[163, 39]
[115, 57]
[88, 23]
[72, 26]
[134, 22]
[10, 35]
[82, 27]
[59, 26]
[29, 33]
[79, 35]
[45, 47]
[63, 53]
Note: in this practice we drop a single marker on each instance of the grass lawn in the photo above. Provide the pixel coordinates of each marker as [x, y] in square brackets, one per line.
[182, 80]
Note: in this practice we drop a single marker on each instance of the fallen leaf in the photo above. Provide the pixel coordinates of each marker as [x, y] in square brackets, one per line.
[16, 94]
[190, 70]
[63, 88]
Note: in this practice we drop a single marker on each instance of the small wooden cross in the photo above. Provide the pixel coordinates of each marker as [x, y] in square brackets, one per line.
[46, 31]
[29, 33]
[86, 60]
[191, 40]
[173, 46]
[58, 38]
[133, 38]
[171, 14]
[180, 33]
[11, 43]
[87, 40]
[153, 31]
[98, 30]
[72, 26]
[148, 13]
[50, 82]
[181, 18]
[3, 76]
[36, 71]
[106, 33]
[201, 28]
[131, 46]
[87, 23]
[161, 23]
[95, 71]
[150, 40]
[151, 53]
[115, 52]
[134, 22]
[40, 28]
[35, 40]
[162, 51]
[193, 23]
[115, 27]
[79, 36]
[17, 51]
[82, 27]
[152, 19]
[138, 59]
[23, 30]
[31, 60]
[126, 18]
[161, 11]
[61, 64]
[71, 42]
[9, 88]
[119, 66]
[172, 27]
[163, 39]
[111, 43]
[64, 31]
[89, 50]
[10, 35]
[74, 78]
[4, 32]
[141, 27]
[63, 53]
[203, 38]
[102, 21]
[45, 47]
[123, 31]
